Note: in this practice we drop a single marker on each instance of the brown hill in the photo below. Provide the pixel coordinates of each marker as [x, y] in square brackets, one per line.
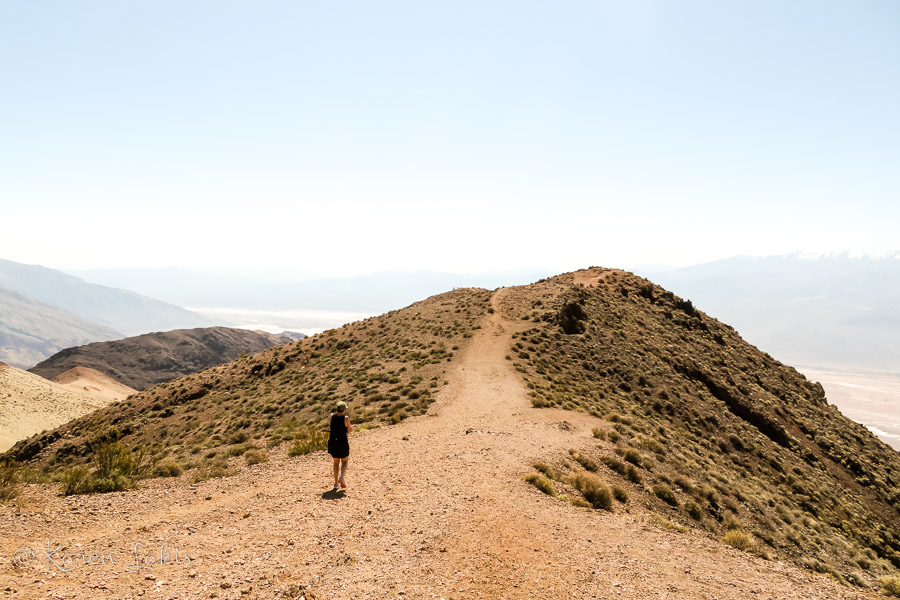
[143, 361]
[638, 416]
[94, 382]
[30, 404]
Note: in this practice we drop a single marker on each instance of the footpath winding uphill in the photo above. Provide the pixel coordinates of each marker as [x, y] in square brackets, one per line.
[436, 508]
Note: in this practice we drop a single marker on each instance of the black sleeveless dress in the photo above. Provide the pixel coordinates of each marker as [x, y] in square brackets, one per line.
[338, 446]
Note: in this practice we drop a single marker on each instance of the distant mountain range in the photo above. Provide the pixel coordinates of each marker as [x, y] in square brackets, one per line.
[143, 361]
[43, 311]
[31, 330]
[120, 310]
[838, 311]
[369, 294]
[835, 311]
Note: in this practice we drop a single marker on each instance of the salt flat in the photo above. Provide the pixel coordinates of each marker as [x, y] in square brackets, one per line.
[872, 399]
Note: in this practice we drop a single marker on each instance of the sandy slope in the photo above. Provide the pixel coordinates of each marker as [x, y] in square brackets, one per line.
[436, 508]
[30, 404]
[94, 382]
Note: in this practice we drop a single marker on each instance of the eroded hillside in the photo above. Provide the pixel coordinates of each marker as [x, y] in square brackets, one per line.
[616, 398]
[706, 428]
[387, 368]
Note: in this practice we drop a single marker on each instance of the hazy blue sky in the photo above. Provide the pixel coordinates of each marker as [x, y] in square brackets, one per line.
[359, 136]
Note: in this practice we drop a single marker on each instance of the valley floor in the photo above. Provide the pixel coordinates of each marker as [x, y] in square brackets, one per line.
[872, 399]
[436, 508]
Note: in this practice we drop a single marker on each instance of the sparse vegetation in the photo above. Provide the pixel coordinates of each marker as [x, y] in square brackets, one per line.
[584, 461]
[307, 440]
[741, 540]
[547, 470]
[664, 493]
[662, 523]
[541, 483]
[691, 421]
[700, 420]
[217, 467]
[891, 586]
[115, 468]
[593, 489]
[255, 456]
[9, 481]
[619, 494]
[387, 368]
[168, 468]
[694, 510]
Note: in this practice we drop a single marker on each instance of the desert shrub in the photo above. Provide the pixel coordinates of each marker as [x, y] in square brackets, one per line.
[541, 483]
[732, 522]
[693, 509]
[858, 579]
[593, 490]
[584, 461]
[684, 484]
[709, 494]
[546, 470]
[168, 468]
[254, 456]
[577, 501]
[114, 482]
[9, 481]
[240, 449]
[613, 436]
[111, 459]
[656, 448]
[307, 440]
[217, 467]
[616, 418]
[116, 467]
[598, 433]
[633, 456]
[667, 525]
[664, 493]
[75, 481]
[891, 586]
[741, 540]
[238, 437]
[619, 494]
[615, 464]
[632, 474]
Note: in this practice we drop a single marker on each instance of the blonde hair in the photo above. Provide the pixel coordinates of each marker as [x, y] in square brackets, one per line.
[340, 407]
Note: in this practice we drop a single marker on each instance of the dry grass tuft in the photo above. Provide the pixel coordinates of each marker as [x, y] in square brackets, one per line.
[541, 483]
[739, 539]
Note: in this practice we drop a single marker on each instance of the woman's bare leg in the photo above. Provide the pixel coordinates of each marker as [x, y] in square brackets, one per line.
[344, 463]
[337, 470]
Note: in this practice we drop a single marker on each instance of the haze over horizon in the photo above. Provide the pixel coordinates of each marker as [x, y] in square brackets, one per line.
[349, 139]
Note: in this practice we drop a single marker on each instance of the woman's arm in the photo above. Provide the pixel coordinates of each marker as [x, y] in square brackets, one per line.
[347, 423]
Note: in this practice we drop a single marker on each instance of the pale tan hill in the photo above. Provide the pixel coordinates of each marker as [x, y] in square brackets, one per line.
[84, 379]
[30, 404]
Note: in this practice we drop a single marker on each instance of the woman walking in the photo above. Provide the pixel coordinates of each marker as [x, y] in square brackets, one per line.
[338, 446]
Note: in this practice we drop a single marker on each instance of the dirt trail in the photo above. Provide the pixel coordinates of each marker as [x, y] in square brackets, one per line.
[436, 508]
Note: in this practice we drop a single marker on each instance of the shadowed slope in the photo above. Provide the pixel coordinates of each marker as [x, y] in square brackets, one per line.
[720, 435]
[143, 361]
